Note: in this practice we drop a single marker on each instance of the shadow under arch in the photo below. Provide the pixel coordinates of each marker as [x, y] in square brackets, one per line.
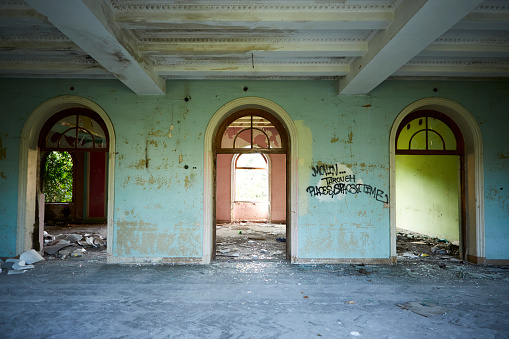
[474, 175]
[28, 165]
[208, 173]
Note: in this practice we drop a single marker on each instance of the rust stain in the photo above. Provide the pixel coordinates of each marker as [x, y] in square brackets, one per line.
[502, 155]
[141, 164]
[3, 151]
[366, 106]
[153, 142]
[334, 140]
[187, 182]
[2, 175]
[350, 137]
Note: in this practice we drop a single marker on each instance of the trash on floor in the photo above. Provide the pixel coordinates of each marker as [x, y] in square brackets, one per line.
[424, 307]
[72, 245]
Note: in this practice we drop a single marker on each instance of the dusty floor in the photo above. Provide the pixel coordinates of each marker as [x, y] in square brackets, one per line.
[254, 299]
[88, 298]
[250, 241]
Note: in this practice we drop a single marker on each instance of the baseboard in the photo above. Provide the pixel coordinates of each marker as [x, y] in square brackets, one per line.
[497, 262]
[476, 260]
[338, 261]
[152, 260]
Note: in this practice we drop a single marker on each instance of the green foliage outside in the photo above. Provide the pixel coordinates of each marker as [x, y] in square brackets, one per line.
[58, 175]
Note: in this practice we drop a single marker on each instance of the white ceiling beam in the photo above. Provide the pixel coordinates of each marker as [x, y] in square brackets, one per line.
[276, 19]
[417, 24]
[448, 69]
[466, 50]
[484, 22]
[91, 27]
[212, 46]
[297, 69]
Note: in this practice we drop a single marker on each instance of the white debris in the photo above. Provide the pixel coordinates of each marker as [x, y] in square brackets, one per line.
[31, 257]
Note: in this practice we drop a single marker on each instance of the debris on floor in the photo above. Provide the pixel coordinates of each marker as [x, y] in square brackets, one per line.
[424, 307]
[413, 245]
[250, 241]
[72, 245]
[21, 265]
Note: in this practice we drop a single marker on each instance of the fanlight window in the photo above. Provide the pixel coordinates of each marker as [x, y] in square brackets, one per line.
[429, 132]
[251, 131]
[77, 130]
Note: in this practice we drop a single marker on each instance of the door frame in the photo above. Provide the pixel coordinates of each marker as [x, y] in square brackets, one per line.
[209, 171]
[473, 169]
[29, 158]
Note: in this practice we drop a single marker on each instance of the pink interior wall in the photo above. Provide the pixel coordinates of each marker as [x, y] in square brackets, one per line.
[223, 187]
[250, 211]
[278, 188]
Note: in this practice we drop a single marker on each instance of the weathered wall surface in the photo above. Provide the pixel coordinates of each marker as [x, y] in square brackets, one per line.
[428, 191]
[343, 172]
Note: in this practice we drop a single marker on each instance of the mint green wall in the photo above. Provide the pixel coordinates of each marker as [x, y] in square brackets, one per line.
[159, 206]
[427, 191]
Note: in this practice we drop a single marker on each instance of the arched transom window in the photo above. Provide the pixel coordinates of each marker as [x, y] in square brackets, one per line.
[251, 178]
[251, 130]
[74, 130]
[428, 132]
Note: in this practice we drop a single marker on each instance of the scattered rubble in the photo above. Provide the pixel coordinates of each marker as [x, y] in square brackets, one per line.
[22, 264]
[72, 245]
[250, 241]
[413, 245]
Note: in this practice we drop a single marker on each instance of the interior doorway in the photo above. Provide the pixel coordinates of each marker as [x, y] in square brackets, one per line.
[251, 188]
[430, 187]
[74, 146]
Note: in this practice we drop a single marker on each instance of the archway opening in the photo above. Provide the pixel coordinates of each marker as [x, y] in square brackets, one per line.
[472, 242]
[74, 145]
[429, 187]
[250, 187]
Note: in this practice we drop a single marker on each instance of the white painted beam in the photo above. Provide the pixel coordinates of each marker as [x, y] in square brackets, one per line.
[91, 27]
[466, 50]
[451, 69]
[248, 19]
[417, 24]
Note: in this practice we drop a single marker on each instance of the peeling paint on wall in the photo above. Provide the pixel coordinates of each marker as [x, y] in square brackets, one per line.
[305, 158]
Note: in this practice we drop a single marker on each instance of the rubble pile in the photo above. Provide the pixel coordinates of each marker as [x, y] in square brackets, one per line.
[21, 265]
[411, 245]
[72, 245]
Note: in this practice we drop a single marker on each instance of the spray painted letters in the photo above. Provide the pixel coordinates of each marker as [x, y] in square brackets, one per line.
[338, 180]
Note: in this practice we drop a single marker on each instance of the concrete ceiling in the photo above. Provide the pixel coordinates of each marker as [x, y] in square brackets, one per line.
[358, 42]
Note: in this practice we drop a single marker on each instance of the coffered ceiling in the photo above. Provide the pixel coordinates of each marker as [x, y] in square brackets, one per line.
[356, 42]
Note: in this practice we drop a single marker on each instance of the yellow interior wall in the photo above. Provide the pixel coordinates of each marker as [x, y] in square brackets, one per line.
[428, 195]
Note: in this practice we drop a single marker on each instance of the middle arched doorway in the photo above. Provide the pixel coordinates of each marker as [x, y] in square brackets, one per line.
[251, 151]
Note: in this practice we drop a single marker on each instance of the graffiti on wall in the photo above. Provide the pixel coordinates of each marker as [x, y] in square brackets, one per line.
[337, 181]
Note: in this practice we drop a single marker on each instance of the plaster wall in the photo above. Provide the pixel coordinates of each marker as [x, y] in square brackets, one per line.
[428, 191]
[342, 139]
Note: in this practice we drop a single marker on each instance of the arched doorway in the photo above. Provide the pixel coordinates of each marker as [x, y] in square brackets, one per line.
[473, 235]
[430, 179]
[83, 135]
[29, 168]
[247, 141]
[209, 206]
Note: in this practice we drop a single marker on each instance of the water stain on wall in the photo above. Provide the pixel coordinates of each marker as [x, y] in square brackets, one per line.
[3, 151]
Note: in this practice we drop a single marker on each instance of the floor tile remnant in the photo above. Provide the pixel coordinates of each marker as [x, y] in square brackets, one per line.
[424, 307]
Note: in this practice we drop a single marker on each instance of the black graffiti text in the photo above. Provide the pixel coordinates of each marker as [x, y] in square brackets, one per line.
[348, 188]
[329, 170]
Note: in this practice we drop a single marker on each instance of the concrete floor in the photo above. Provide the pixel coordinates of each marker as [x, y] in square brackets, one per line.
[87, 298]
